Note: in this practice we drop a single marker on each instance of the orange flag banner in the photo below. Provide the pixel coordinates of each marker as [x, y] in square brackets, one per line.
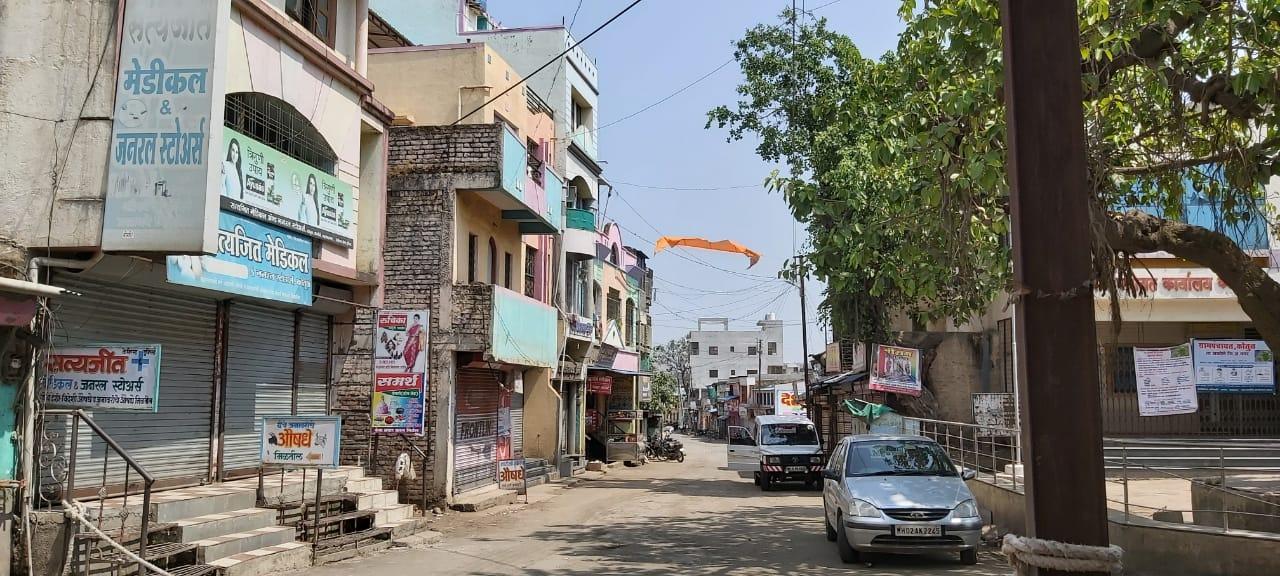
[693, 242]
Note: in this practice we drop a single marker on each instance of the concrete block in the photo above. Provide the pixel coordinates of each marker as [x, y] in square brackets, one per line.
[1168, 516]
[232, 544]
[484, 501]
[174, 510]
[223, 523]
[271, 560]
[360, 485]
[379, 499]
[393, 513]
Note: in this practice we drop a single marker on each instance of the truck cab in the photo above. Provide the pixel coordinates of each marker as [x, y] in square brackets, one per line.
[777, 449]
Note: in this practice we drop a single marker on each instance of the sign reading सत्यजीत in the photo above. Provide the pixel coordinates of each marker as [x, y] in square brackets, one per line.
[104, 377]
[301, 440]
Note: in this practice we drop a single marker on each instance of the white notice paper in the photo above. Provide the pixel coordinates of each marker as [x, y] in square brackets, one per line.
[1165, 384]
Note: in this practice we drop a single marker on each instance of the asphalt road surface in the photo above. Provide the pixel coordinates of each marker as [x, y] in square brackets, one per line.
[691, 518]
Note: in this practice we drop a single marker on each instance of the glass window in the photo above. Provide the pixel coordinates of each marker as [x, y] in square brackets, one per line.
[773, 348]
[693, 348]
[317, 16]
[530, 271]
[713, 350]
[898, 458]
[752, 350]
[472, 241]
[788, 435]
[506, 270]
[713, 373]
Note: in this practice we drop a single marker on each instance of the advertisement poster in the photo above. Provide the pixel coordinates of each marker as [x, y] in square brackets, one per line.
[896, 369]
[259, 181]
[1234, 366]
[253, 259]
[301, 440]
[165, 127]
[1165, 381]
[504, 423]
[400, 376]
[600, 384]
[511, 475]
[787, 400]
[995, 409]
[104, 377]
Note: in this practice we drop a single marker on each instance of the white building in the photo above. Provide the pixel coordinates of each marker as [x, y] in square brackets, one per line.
[717, 353]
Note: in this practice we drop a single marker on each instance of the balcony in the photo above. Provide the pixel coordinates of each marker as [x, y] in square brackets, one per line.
[507, 326]
[580, 232]
[585, 140]
[535, 205]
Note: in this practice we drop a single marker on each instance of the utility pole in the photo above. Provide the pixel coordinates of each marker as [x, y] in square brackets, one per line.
[1056, 335]
[804, 341]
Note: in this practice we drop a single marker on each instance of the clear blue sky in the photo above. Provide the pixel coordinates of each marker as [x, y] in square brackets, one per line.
[653, 50]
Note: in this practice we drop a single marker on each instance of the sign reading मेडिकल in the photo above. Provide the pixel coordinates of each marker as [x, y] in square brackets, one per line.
[253, 259]
[400, 375]
[104, 377]
[261, 182]
[311, 441]
[1166, 385]
[1234, 366]
[511, 475]
[896, 369]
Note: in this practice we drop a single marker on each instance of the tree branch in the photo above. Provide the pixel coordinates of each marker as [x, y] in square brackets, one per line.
[1174, 165]
[1152, 42]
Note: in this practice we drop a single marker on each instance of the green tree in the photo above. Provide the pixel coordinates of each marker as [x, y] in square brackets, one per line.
[663, 396]
[673, 358]
[897, 164]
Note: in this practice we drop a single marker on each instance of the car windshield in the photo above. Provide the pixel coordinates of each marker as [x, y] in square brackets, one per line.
[898, 458]
[788, 435]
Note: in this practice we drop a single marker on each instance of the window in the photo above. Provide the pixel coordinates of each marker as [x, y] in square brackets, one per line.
[613, 254]
[613, 306]
[472, 241]
[506, 270]
[530, 271]
[1126, 374]
[752, 350]
[775, 369]
[693, 348]
[898, 457]
[713, 373]
[317, 16]
[493, 261]
[713, 350]
[752, 372]
[733, 372]
[631, 322]
[534, 160]
[278, 124]
[731, 349]
[773, 348]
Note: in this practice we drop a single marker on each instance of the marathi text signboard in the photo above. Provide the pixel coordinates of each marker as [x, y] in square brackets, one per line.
[511, 475]
[600, 384]
[166, 123]
[260, 182]
[1165, 382]
[400, 375]
[994, 409]
[253, 259]
[1234, 366]
[897, 370]
[787, 400]
[301, 440]
[104, 377]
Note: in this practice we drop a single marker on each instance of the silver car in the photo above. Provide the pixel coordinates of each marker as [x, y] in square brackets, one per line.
[900, 495]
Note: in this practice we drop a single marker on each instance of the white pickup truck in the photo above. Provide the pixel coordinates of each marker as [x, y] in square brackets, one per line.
[777, 449]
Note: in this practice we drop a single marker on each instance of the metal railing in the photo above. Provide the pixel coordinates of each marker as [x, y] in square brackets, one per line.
[62, 489]
[990, 451]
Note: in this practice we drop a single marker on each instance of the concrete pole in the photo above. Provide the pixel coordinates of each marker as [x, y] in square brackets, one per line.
[362, 37]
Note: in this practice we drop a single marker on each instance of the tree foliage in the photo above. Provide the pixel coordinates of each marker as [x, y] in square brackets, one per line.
[897, 164]
[663, 398]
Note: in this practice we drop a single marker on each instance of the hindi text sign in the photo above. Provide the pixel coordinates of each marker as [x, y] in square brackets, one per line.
[400, 375]
[301, 440]
[897, 370]
[1165, 381]
[104, 377]
[1234, 366]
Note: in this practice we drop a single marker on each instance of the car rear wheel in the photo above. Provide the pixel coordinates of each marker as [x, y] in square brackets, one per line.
[969, 557]
[847, 554]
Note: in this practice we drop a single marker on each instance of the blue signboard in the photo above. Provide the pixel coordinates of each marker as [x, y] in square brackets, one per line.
[254, 259]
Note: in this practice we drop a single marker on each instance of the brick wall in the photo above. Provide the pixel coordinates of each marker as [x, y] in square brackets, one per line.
[427, 165]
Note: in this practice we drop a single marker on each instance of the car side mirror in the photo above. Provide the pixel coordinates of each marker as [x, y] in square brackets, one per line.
[968, 474]
[830, 474]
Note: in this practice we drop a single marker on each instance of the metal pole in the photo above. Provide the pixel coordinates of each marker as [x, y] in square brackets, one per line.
[1124, 471]
[315, 512]
[1222, 485]
[804, 345]
[1057, 337]
[146, 524]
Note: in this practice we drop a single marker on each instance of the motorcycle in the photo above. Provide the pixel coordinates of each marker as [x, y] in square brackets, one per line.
[665, 448]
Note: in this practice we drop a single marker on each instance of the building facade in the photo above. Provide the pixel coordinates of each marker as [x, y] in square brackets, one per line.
[717, 353]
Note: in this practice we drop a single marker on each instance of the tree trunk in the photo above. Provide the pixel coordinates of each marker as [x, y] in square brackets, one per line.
[1258, 294]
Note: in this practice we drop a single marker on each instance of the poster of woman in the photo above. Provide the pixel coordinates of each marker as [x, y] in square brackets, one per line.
[896, 369]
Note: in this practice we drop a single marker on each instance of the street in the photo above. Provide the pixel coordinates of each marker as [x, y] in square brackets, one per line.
[661, 518]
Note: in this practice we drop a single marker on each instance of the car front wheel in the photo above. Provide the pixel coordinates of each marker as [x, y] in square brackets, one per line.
[766, 481]
[847, 554]
[969, 557]
[826, 521]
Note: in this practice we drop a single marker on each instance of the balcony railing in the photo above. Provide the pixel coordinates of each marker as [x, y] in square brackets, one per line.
[539, 200]
[579, 219]
[586, 140]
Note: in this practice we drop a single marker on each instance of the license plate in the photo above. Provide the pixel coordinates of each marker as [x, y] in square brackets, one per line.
[796, 469]
[917, 530]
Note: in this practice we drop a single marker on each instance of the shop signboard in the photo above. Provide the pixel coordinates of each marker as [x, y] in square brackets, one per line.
[1166, 383]
[165, 127]
[310, 441]
[511, 475]
[263, 183]
[581, 327]
[400, 374]
[123, 377]
[1234, 366]
[994, 409]
[600, 384]
[625, 414]
[897, 370]
[646, 389]
[787, 400]
[253, 259]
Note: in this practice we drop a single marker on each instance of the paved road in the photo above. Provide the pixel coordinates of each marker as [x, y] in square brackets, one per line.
[663, 518]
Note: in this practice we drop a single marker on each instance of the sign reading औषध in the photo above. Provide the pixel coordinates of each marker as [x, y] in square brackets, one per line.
[166, 127]
[253, 259]
[301, 440]
[263, 183]
[1234, 366]
[104, 377]
[511, 475]
[1165, 381]
[896, 369]
[400, 375]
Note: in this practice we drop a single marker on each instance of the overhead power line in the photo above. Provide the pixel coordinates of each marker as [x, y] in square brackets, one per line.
[547, 64]
[659, 102]
[693, 189]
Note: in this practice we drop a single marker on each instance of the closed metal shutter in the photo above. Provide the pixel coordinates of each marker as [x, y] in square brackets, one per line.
[259, 379]
[475, 432]
[313, 364]
[172, 443]
[517, 425]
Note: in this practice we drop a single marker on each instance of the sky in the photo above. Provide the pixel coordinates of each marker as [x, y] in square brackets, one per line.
[671, 175]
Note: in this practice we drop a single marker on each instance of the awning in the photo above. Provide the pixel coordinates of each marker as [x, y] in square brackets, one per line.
[839, 380]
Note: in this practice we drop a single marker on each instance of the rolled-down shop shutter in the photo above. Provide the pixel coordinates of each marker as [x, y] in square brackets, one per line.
[313, 365]
[173, 443]
[475, 430]
[517, 424]
[259, 379]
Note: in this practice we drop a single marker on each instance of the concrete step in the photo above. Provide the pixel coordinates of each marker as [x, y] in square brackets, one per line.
[222, 523]
[378, 499]
[393, 513]
[270, 560]
[294, 490]
[231, 544]
[364, 485]
[179, 504]
[405, 527]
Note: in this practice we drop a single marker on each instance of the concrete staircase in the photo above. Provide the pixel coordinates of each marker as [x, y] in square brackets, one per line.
[222, 529]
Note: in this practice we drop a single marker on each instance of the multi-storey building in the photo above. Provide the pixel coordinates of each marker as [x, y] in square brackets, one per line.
[717, 353]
